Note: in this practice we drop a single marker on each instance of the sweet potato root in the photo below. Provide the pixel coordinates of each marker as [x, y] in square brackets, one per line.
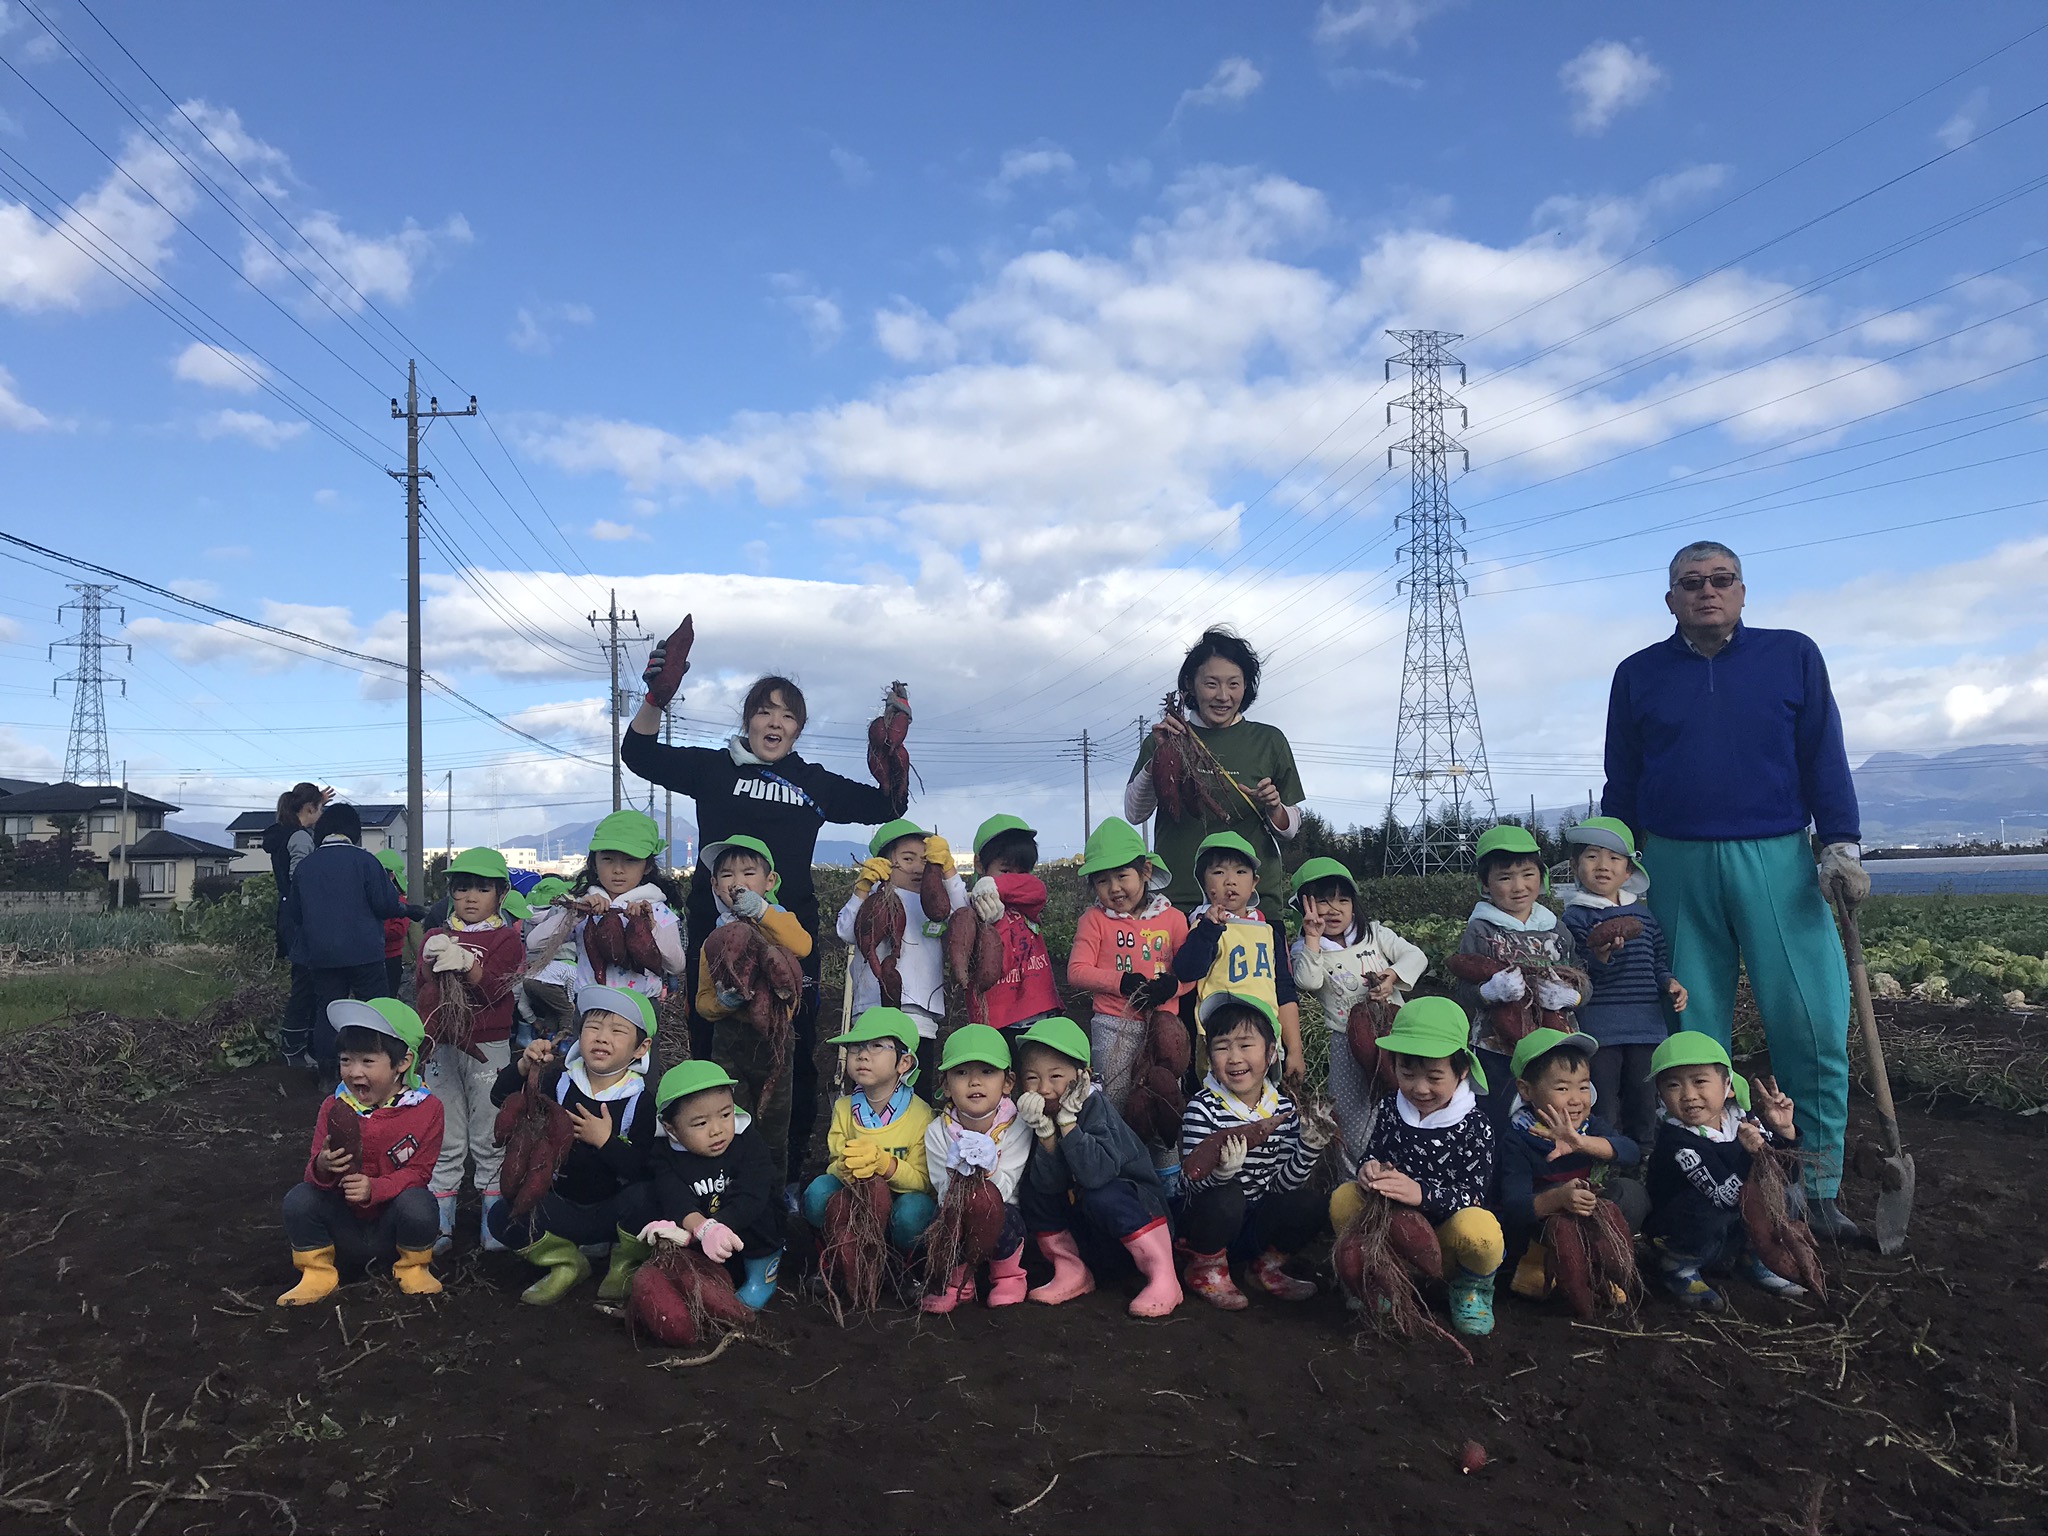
[1181, 774]
[1614, 930]
[1376, 1258]
[966, 1231]
[878, 926]
[604, 942]
[1201, 1163]
[1592, 1260]
[1785, 1245]
[932, 894]
[853, 1249]
[536, 1133]
[345, 1134]
[888, 756]
[1166, 1038]
[1369, 1020]
[680, 1297]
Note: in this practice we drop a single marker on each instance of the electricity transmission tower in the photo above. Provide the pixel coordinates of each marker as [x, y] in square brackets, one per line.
[1441, 780]
[85, 754]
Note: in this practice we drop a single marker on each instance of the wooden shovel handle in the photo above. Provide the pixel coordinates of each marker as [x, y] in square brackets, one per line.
[1859, 988]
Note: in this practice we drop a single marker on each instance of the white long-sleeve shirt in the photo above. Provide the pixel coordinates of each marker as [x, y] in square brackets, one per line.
[1335, 972]
[922, 965]
[1013, 1150]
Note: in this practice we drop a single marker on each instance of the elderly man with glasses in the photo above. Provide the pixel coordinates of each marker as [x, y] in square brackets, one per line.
[1723, 746]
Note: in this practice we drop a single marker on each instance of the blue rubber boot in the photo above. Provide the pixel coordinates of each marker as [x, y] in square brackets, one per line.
[760, 1282]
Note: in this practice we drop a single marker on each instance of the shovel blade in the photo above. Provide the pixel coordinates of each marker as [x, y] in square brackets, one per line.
[1895, 1204]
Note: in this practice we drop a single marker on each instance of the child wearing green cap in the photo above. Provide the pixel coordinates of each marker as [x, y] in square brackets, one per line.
[1631, 978]
[396, 929]
[623, 887]
[713, 1181]
[897, 856]
[1012, 898]
[1123, 941]
[469, 970]
[878, 1126]
[1090, 1182]
[1258, 1204]
[977, 1129]
[1436, 1153]
[601, 1193]
[1228, 923]
[1705, 1142]
[1510, 924]
[1556, 1140]
[364, 1194]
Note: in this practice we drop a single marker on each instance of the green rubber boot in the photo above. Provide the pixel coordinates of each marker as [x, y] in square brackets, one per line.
[1472, 1303]
[565, 1267]
[628, 1254]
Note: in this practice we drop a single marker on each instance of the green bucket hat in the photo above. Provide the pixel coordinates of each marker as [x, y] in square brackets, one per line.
[880, 1023]
[632, 833]
[1116, 843]
[516, 905]
[995, 826]
[484, 863]
[1741, 1086]
[1688, 1048]
[544, 893]
[1539, 1041]
[1263, 1006]
[713, 852]
[387, 1016]
[686, 1078]
[975, 1043]
[1509, 838]
[1611, 833]
[902, 826]
[1433, 1027]
[636, 1007]
[1059, 1034]
[1222, 842]
[1320, 869]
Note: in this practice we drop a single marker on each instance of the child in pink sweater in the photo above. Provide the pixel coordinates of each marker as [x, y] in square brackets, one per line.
[1122, 942]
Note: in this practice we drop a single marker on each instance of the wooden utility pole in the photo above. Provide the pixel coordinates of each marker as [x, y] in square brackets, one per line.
[415, 729]
[1087, 810]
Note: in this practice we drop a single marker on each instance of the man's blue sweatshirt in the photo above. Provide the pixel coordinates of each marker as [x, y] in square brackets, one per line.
[1743, 744]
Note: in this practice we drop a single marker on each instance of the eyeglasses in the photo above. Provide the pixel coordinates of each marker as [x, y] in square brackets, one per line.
[1720, 581]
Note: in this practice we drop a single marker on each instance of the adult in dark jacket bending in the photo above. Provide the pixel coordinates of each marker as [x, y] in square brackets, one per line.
[757, 784]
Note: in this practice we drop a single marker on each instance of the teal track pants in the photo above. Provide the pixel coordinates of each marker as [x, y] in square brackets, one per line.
[1757, 905]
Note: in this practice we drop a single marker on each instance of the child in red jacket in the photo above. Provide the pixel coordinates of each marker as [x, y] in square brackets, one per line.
[468, 973]
[1012, 899]
[364, 1195]
[396, 929]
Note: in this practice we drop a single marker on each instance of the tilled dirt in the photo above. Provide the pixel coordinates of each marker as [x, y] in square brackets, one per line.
[144, 1263]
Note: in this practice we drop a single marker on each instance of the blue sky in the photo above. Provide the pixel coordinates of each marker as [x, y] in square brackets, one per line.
[1001, 349]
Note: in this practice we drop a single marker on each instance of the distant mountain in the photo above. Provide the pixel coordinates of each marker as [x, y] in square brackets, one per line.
[834, 851]
[1954, 795]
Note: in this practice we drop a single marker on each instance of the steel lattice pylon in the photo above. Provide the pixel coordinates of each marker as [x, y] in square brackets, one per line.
[85, 754]
[1441, 783]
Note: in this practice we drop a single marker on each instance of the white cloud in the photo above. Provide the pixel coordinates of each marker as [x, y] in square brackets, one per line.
[615, 533]
[250, 426]
[1382, 23]
[853, 169]
[1962, 127]
[196, 588]
[375, 266]
[219, 368]
[1230, 85]
[1605, 79]
[530, 329]
[820, 315]
[16, 414]
[1029, 164]
[326, 496]
[44, 269]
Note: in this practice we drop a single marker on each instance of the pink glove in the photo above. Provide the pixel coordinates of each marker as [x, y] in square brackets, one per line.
[718, 1241]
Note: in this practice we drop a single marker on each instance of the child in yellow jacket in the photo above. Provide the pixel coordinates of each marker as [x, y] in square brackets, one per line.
[743, 883]
[878, 1126]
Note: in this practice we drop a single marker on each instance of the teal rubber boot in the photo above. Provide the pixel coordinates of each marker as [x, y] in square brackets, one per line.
[760, 1282]
[1472, 1304]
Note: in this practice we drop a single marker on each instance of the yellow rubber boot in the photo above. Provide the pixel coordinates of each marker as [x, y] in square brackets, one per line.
[317, 1277]
[1532, 1275]
[412, 1274]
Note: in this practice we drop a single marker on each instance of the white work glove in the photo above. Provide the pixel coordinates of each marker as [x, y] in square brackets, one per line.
[1234, 1152]
[1507, 987]
[718, 1241]
[1556, 995]
[1031, 1110]
[1071, 1102]
[666, 1232]
[748, 904]
[988, 901]
[451, 956]
[1842, 875]
[974, 1149]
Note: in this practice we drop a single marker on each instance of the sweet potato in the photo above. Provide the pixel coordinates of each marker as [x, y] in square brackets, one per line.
[1370, 1018]
[1476, 968]
[1570, 1264]
[1202, 1162]
[642, 954]
[1154, 1106]
[661, 688]
[932, 894]
[1621, 929]
[961, 930]
[1166, 1039]
[1785, 1245]
[853, 1248]
[345, 1134]
[966, 1231]
[1414, 1242]
[680, 1297]
[878, 926]
[536, 1133]
[888, 756]
[1380, 1268]
[1181, 773]
[1592, 1259]
[604, 942]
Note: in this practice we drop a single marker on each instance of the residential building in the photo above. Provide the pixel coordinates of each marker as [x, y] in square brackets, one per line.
[93, 811]
[166, 865]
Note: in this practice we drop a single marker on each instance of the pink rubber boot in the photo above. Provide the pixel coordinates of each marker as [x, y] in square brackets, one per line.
[1152, 1251]
[1070, 1276]
[1006, 1280]
[959, 1288]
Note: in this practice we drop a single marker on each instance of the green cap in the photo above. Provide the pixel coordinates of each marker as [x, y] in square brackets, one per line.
[1218, 842]
[484, 863]
[632, 833]
[995, 826]
[1741, 1086]
[1509, 838]
[975, 1043]
[1538, 1041]
[388, 1016]
[902, 826]
[880, 1023]
[544, 894]
[713, 852]
[1223, 999]
[1611, 833]
[634, 1007]
[686, 1078]
[394, 865]
[1114, 844]
[1433, 1027]
[1689, 1048]
[516, 904]
[1059, 1034]
[1321, 869]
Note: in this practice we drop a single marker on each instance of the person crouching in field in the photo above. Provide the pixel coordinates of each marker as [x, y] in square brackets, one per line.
[714, 1181]
[977, 1133]
[878, 1126]
[603, 1191]
[1090, 1182]
[364, 1196]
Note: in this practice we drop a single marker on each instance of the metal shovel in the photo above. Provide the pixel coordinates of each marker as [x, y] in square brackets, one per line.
[1894, 1169]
